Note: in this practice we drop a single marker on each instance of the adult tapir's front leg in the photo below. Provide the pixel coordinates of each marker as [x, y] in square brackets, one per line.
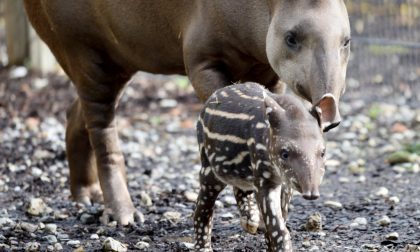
[269, 202]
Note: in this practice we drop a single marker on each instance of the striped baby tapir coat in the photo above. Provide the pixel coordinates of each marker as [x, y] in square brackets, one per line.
[264, 145]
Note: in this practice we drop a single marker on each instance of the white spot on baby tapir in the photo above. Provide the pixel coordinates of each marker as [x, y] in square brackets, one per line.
[250, 141]
[261, 125]
[212, 156]
[266, 174]
[207, 171]
[217, 187]
[275, 233]
[224, 94]
[238, 159]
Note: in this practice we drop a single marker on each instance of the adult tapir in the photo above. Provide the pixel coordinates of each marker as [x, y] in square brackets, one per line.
[101, 43]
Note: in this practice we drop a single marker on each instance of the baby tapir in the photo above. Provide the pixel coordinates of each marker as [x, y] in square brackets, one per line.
[264, 145]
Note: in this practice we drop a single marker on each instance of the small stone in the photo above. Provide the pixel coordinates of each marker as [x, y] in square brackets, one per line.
[190, 196]
[36, 207]
[226, 216]
[113, 245]
[360, 221]
[168, 103]
[94, 237]
[172, 216]
[306, 244]
[58, 247]
[392, 236]
[50, 228]
[142, 245]
[382, 192]
[28, 227]
[32, 246]
[229, 200]
[36, 172]
[412, 248]
[6, 222]
[343, 180]
[394, 200]
[371, 247]
[145, 199]
[86, 218]
[79, 249]
[384, 221]
[51, 239]
[73, 243]
[314, 222]
[333, 204]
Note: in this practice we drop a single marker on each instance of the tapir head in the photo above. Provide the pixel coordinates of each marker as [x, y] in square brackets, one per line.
[296, 145]
[308, 46]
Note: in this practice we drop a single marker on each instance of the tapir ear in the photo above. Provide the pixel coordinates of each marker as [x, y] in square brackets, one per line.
[274, 112]
[330, 115]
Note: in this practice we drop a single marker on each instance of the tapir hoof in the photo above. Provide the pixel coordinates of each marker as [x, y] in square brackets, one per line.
[250, 224]
[88, 195]
[124, 217]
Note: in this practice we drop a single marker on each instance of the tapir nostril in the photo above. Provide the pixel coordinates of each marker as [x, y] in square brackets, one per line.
[310, 196]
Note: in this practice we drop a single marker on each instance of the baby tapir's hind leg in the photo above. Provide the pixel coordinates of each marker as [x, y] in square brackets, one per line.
[250, 216]
[203, 216]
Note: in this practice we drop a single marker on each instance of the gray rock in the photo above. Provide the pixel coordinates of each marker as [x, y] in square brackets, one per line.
[314, 223]
[86, 218]
[384, 221]
[36, 207]
[113, 245]
[142, 245]
[50, 228]
[94, 237]
[172, 216]
[392, 236]
[58, 246]
[28, 227]
[382, 192]
[190, 196]
[394, 200]
[333, 204]
[145, 199]
[73, 243]
[412, 248]
[6, 222]
[32, 246]
[51, 239]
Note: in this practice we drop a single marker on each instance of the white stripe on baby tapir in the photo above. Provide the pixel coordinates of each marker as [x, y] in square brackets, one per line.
[242, 95]
[274, 197]
[261, 147]
[228, 115]
[221, 137]
[207, 171]
[220, 159]
[238, 159]
[224, 94]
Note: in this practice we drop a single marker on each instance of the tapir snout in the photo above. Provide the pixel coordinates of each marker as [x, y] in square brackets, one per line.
[330, 115]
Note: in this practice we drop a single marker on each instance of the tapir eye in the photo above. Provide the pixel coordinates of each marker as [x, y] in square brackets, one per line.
[284, 154]
[291, 40]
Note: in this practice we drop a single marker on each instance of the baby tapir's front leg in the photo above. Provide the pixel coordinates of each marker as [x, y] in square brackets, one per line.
[269, 201]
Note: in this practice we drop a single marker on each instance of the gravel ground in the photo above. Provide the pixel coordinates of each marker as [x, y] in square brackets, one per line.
[366, 203]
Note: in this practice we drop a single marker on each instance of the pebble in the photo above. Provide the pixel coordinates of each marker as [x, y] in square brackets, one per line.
[314, 222]
[230, 200]
[384, 221]
[360, 221]
[36, 207]
[94, 237]
[36, 172]
[343, 180]
[382, 192]
[50, 228]
[172, 216]
[191, 196]
[333, 204]
[86, 218]
[28, 227]
[142, 245]
[392, 236]
[306, 244]
[394, 200]
[58, 246]
[113, 245]
[51, 239]
[32, 246]
[73, 243]
[145, 199]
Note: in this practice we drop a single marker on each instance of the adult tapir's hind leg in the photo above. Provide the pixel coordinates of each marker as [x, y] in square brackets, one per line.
[84, 183]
